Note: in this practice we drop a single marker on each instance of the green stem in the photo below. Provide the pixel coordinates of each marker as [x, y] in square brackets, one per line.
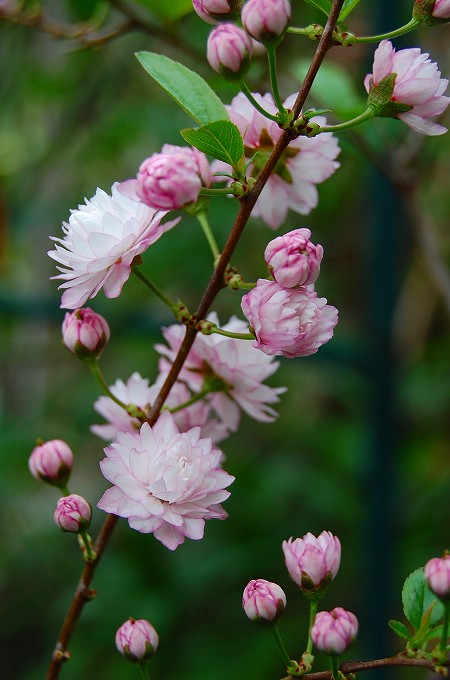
[65, 490]
[254, 103]
[90, 555]
[280, 646]
[313, 606]
[195, 398]
[202, 219]
[98, 375]
[143, 671]
[298, 31]
[135, 269]
[445, 624]
[230, 334]
[410, 26]
[272, 57]
[368, 113]
[246, 285]
[335, 673]
[204, 191]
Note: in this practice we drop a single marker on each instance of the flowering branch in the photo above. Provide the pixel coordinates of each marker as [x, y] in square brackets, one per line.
[357, 666]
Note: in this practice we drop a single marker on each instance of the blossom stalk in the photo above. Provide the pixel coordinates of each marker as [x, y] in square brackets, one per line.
[407, 28]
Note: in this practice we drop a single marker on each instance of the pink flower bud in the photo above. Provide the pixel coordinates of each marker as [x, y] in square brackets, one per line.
[73, 513]
[213, 11]
[313, 562]
[293, 260]
[52, 462]
[437, 574]
[229, 50]
[332, 632]
[85, 333]
[263, 601]
[266, 20]
[441, 9]
[292, 322]
[137, 640]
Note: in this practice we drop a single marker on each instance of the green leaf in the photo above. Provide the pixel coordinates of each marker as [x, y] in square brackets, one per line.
[189, 90]
[168, 11]
[221, 140]
[417, 599]
[347, 7]
[400, 629]
[323, 5]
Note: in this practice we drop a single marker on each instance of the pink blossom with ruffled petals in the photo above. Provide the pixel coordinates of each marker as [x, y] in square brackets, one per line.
[229, 50]
[441, 9]
[233, 362]
[100, 242]
[418, 84]
[292, 322]
[266, 20]
[263, 601]
[166, 483]
[437, 574]
[305, 163]
[213, 11]
[293, 260]
[332, 632]
[85, 333]
[313, 562]
[137, 640]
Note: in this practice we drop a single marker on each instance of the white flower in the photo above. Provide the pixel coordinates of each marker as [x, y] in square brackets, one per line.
[100, 242]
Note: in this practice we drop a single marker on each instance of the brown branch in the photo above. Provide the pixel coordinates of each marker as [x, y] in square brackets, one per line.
[83, 594]
[356, 666]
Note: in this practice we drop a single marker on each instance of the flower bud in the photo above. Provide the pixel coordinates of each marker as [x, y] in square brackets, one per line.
[332, 632]
[137, 640]
[229, 50]
[437, 574]
[73, 513]
[432, 12]
[52, 462]
[263, 601]
[313, 562]
[213, 11]
[293, 260]
[266, 20]
[85, 333]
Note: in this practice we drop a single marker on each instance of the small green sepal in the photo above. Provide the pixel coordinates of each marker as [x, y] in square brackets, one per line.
[380, 99]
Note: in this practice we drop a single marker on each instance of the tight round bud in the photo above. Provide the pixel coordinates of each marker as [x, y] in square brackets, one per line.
[332, 632]
[293, 260]
[437, 574]
[313, 562]
[85, 333]
[263, 601]
[229, 50]
[52, 462]
[73, 513]
[137, 640]
[266, 20]
[213, 11]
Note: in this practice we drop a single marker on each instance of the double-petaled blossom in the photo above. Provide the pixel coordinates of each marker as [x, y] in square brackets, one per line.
[213, 11]
[229, 50]
[85, 333]
[263, 601]
[52, 462]
[73, 513]
[407, 85]
[266, 20]
[437, 574]
[138, 392]
[305, 163]
[313, 562]
[170, 179]
[232, 369]
[293, 260]
[137, 640]
[101, 240]
[291, 322]
[165, 482]
[332, 632]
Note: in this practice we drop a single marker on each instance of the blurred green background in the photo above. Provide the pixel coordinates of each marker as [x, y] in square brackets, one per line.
[361, 444]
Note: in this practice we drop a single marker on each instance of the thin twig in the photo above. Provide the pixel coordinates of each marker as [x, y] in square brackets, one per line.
[358, 666]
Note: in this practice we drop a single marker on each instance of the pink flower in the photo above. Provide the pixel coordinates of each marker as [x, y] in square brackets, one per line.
[305, 163]
[266, 20]
[437, 574]
[213, 11]
[263, 601]
[232, 367]
[52, 462]
[170, 179]
[165, 482]
[292, 322]
[73, 513]
[229, 50]
[407, 85]
[313, 562]
[332, 632]
[138, 392]
[441, 9]
[100, 242]
[293, 260]
[137, 640]
[85, 333]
